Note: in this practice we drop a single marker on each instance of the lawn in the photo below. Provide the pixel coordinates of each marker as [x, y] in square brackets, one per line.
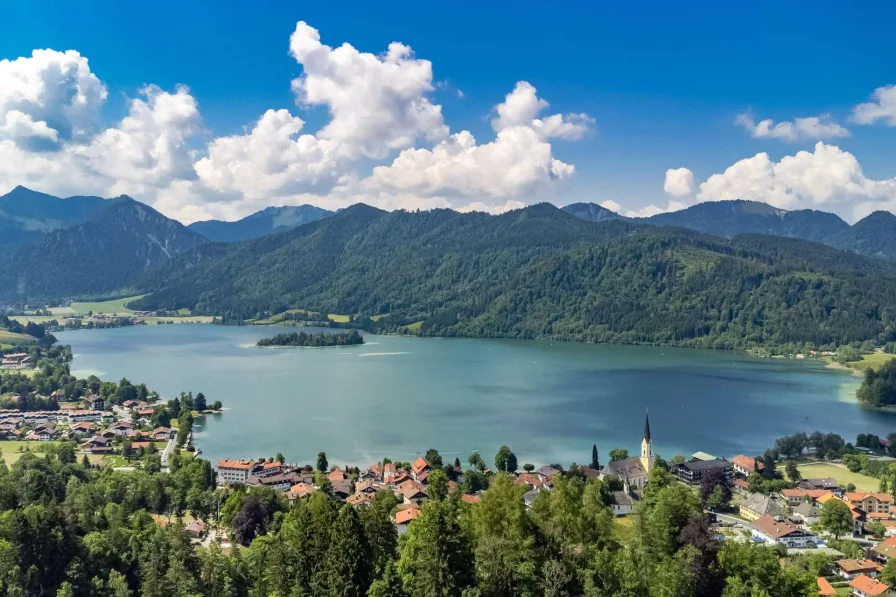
[624, 529]
[114, 306]
[841, 474]
[874, 360]
[414, 327]
[7, 337]
[23, 319]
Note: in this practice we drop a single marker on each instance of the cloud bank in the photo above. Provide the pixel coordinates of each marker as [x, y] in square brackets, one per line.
[385, 141]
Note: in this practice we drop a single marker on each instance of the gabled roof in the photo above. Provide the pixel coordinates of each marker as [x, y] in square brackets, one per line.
[407, 515]
[747, 463]
[776, 528]
[853, 566]
[824, 587]
[859, 496]
[419, 465]
[868, 585]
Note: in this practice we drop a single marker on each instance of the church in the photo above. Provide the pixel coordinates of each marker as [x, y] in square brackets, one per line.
[634, 471]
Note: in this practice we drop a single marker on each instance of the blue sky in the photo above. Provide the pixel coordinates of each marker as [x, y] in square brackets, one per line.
[662, 82]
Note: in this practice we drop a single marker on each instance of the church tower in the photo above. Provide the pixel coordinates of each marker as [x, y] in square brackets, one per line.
[647, 447]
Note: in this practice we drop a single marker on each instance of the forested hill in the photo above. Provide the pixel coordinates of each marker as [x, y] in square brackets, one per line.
[266, 221]
[25, 215]
[541, 272]
[104, 254]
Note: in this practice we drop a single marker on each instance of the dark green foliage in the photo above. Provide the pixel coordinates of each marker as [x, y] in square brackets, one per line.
[540, 272]
[103, 255]
[505, 460]
[879, 387]
[322, 339]
[25, 215]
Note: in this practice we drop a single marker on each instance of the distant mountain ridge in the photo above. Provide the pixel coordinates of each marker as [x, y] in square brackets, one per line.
[104, 254]
[26, 215]
[267, 221]
[874, 236]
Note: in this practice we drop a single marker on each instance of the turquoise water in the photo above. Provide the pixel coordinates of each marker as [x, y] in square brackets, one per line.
[549, 401]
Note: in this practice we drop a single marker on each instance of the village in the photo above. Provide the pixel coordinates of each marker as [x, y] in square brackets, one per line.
[791, 518]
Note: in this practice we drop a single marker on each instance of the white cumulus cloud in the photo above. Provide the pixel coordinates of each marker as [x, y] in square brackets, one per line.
[881, 107]
[49, 96]
[522, 106]
[811, 127]
[376, 103]
[611, 205]
[827, 177]
[679, 182]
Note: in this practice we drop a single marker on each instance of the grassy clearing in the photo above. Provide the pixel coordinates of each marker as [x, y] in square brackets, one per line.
[874, 360]
[7, 337]
[839, 473]
[338, 318]
[115, 306]
[23, 319]
[378, 317]
[624, 529]
[60, 311]
[414, 327]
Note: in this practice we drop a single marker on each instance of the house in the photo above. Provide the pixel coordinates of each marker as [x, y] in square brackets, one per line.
[342, 488]
[96, 402]
[268, 469]
[865, 586]
[337, 474]
[280, 482]
[702, 456]
[758, 505]
[850, 569]
[471, 499]
[365, 487]
[624, 502]
[825, 589]
[419, 467]
[825, 483]
[741, 486]
[412, 492]
[885, 550]
[795, 497]
[16, 360]
[97, 445]
[404, 517]
[234, 471]
[80, 416]
[744, 466]
[162, 434]
[300, 490]
[195, 529]
[45, 433]
[767, 529]
[807, 513]
[530, 480]
[121, 428]
[692, 472]
[858, 516]
[359, 499]
[547, 472]
[870, 502]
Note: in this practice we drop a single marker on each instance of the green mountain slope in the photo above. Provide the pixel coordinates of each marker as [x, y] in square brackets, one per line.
[105, 254]
[874, 235]
[541, 272]
[25, 215]
[267, 221]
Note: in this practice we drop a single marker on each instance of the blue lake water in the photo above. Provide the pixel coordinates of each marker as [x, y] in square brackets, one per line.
[549, 401]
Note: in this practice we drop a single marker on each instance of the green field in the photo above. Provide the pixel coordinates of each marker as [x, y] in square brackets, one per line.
[108, 307]
[841, 474]
[875, 361]
[13, 339]
[414, 327]
[624, 529]
[280, 316]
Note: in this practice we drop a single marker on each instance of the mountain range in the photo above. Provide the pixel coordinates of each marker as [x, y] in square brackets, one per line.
[26, 215]
[873, 236]
[728, 274]
[267, 221]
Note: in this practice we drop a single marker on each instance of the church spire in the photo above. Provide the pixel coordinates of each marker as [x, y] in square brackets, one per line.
[646, 427]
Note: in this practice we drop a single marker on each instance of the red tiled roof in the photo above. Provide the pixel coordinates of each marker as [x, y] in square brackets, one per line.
[746, 462]
[854, 566]
[237, 464]
[773, 528]
[858, 496]
[471, 499]
[419, 465]
[868, 585]
[405, 516]
[800, 493]
[824, 588]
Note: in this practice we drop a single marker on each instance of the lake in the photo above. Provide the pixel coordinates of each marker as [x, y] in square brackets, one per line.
[398, 396]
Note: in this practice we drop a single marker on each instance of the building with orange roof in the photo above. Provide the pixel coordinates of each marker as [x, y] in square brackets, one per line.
[870, 502]
[471, 499]
[300, 490]
[824, 587]
[850, 569]
[795, 496]
[770, 530]
[337, 474]
[419, 466]
[865, 586]
[234, 471]
[404, 517]
[885, 550]
[744, 465]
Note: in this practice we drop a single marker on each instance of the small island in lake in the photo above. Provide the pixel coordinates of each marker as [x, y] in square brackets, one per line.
[323, 339]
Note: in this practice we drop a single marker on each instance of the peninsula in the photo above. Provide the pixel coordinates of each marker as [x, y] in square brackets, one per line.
[322, 339]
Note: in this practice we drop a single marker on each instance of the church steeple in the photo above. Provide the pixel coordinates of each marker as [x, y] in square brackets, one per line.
[647, 447]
